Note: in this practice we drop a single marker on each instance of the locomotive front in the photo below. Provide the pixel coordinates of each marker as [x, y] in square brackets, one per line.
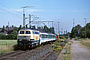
[27, 37]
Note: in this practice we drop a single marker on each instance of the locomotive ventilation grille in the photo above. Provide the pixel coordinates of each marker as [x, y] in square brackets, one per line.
[24, 37]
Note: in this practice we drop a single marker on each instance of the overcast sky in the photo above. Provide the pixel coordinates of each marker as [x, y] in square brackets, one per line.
[62, 11]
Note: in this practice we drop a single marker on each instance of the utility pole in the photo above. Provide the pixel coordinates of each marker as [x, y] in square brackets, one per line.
[85, 27]
[61, 31]
[23, 16]
[8, 24]
[73, 23]
[58, 27]
[73, 27]
[29, 21]
[52, 27]
[8, 27]
[52, 23]
[58, 31]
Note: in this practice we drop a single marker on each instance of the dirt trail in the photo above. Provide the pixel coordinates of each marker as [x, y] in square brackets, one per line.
[79, 52]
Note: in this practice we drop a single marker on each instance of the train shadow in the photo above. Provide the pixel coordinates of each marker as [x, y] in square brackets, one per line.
[16, 47]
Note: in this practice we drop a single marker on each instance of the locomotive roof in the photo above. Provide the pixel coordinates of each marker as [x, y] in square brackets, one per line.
[36, 30]
[28, 29]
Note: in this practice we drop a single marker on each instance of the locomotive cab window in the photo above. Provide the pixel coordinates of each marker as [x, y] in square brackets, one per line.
[35, 32]
[28, 32]
[21, 32]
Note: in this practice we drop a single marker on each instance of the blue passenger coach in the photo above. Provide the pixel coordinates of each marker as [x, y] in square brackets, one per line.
[46, 37]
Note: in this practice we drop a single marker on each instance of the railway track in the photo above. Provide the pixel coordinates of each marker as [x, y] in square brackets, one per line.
[40, 53]
[47, 55]
[11, 54]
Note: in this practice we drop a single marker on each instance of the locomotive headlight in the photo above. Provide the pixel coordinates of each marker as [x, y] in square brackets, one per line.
[29, 40]
[20, 39]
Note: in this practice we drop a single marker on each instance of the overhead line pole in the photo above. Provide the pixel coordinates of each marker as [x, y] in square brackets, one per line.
[58, 31]
[85, 27]
[73, 26]
[29, 21]
[73, 23]
[24, 14]
[58, 27]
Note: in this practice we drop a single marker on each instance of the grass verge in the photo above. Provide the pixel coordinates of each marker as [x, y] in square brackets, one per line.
[67, 51]
[65, 54]
[7, 46]
[86, 43]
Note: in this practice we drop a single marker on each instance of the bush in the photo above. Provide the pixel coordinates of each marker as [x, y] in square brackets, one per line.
[59, 48]
[56, 46]
[56, 43]
[62, 37]
[9, 36]
[77, 38]
[66, 37]
[2, 36]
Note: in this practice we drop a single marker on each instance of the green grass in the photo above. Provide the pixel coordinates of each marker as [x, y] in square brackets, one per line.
[86, 43]
[66, 54]
[7, 46]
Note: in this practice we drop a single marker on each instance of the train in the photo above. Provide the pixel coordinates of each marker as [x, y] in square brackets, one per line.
[31, 38]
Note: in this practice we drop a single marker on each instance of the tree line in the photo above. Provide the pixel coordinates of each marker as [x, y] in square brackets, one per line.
[79, 31]
[12, 34]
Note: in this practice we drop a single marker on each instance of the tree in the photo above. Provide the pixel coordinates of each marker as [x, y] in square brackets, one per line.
[33, 27]
[79, 31]
[7, 26]
[3, 28]
[76, 31]
[19, 27]
[26, 26]
[48, 30]
[45, 29]
[52, 29]
[12, 25]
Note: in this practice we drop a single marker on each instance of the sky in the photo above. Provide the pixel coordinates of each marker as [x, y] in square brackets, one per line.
[63, 11]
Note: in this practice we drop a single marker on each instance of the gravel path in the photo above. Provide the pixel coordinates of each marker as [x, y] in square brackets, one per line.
[79, 52]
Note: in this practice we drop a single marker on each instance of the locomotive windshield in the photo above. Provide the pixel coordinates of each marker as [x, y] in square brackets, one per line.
[21, 32]
[28, 32]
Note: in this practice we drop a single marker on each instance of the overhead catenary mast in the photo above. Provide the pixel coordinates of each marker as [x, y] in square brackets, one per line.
[24, 14]
[85, 27]
[73, 26]
[29, 21]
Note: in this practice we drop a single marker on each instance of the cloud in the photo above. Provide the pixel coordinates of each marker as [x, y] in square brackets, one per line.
[19, 10]
[34, 10]
[40, 10]
[67, 10]
[29, 10]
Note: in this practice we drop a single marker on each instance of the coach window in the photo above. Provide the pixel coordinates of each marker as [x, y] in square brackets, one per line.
[43, 36]
[28, 32]
[21, 32]
[46, 36]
